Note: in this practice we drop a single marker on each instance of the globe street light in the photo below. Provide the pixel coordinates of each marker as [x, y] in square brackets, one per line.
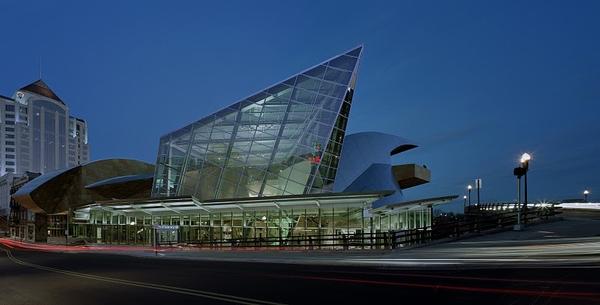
[469, 187]
[525, 158]
[585, 195]
[465, 203]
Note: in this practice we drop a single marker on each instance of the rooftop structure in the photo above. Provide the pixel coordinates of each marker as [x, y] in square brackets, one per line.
[39, 87]
[61, 190]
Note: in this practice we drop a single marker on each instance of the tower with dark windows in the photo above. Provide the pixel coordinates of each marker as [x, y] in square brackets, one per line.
[38, 134]
[283, 140]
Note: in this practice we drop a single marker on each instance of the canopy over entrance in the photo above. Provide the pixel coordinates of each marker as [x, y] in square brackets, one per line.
[190, 205]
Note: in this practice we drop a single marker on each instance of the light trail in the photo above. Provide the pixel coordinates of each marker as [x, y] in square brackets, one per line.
[586, 296]
[471, 278]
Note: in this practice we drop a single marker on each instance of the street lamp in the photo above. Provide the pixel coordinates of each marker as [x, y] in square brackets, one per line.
[525, 158]
[518, 172]
[469, 187]
[465, 203]
[585, 195]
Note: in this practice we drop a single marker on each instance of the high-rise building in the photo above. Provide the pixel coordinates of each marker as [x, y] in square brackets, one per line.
[79, 151]
[37, 133]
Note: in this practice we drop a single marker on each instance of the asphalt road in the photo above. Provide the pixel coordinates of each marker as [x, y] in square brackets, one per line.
[34, 277]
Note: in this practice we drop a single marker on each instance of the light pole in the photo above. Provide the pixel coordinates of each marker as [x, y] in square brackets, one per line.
[518, 172]
[585, 195]
[465, 203]
[525, 158]
[478, 195]
[478, 187]
[469, 187]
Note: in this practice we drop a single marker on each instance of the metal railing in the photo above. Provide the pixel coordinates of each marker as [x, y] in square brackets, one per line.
[476, 219]
[375, 240]
[489, 217]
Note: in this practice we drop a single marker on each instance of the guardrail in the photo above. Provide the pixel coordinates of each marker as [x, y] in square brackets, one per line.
[375, 240]
[477, 219]
[489, 217]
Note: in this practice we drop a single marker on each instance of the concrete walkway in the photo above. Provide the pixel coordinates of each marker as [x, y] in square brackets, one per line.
[569, 227]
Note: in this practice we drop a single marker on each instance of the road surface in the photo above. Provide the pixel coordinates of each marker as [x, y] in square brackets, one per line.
[36, 277]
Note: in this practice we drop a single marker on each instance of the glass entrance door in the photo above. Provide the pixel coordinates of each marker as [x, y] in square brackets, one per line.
[167, 236]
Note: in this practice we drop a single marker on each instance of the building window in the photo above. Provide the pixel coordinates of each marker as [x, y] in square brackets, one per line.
[10, 156]
[9, 129]
[10, 116]
[10, 122]
[10, 163]
[10, 149]
[10, 170]
[10, 136]
[9, 143]
[10, 108]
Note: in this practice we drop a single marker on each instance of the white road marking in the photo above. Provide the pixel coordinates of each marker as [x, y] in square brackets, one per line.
[173, 289]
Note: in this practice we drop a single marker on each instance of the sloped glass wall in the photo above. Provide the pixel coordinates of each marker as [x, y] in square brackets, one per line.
[285, 140]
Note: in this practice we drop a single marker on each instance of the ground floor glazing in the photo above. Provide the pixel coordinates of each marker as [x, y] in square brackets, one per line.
[319, 226]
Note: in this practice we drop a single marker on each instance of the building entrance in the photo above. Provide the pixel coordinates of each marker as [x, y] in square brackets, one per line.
[167, 234]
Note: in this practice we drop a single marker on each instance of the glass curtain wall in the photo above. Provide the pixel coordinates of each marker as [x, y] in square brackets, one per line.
[49, 136]
[285, 140]
[302, 226]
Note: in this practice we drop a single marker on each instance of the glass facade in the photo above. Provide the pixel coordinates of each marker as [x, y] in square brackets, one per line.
[333, 225]
[78, 145]
[49, 136]
[284, 140]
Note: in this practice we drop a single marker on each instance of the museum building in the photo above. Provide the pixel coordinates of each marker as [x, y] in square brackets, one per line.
[273, 169]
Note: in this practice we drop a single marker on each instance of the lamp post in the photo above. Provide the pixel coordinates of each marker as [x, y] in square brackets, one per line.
[469, 187]
[585, 195]
[478, 195]
[465, 203]
[478, 187]
[518, 172]
[525, 158]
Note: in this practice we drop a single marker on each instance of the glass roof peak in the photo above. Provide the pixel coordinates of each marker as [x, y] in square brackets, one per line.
[283, 140]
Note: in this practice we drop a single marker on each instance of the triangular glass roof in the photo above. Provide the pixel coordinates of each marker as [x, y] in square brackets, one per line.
[283, 140]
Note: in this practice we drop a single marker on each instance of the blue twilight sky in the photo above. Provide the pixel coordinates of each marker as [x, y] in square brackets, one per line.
[475, 83]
